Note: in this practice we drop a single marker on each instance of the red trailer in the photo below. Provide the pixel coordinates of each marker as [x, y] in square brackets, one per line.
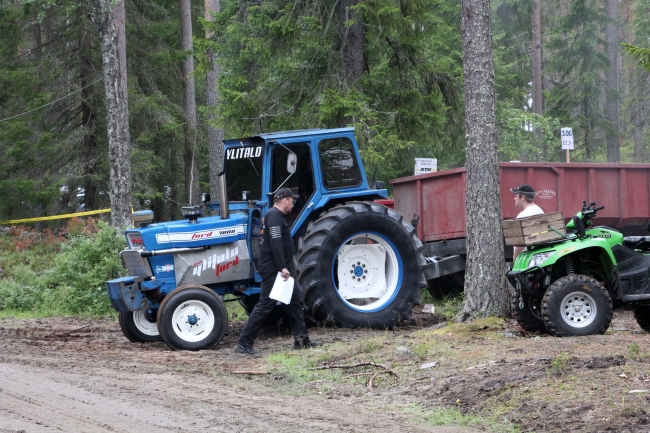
[438, 201]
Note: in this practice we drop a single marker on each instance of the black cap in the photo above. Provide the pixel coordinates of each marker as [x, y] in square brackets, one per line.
[524, 189]
[284, 193]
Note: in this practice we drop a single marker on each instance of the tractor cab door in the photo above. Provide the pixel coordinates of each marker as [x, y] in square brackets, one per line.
[294, 157]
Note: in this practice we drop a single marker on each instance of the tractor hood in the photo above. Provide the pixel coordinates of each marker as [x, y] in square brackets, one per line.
[182, 234]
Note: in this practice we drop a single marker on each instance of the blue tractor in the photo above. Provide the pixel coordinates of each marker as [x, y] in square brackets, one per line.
[359, 262]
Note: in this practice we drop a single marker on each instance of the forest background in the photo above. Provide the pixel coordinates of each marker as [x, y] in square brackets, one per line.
[391, 69]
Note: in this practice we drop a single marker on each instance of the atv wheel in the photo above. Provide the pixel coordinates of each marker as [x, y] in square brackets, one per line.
[642, 316]
[530, 317]
[192, 318]
[137, 328]
[576, 305]
[360, 265]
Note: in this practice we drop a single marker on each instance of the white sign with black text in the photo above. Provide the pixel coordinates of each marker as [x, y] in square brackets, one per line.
[426, 165]
[567, 138]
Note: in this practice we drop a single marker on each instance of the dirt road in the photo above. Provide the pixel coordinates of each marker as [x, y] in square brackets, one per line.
[76, 375]
[69, 375]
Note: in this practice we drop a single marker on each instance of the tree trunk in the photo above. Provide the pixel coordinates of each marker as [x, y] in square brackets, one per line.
[538, 104]
[192, 193]
[611, 33]
[117, 109]
[350, 42]
[91, 149]
[485, 286]
[215, 135]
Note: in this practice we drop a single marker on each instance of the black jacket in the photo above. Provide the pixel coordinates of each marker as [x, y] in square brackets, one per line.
[276, 244]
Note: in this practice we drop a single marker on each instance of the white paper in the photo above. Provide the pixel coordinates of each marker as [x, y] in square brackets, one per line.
[282, 290]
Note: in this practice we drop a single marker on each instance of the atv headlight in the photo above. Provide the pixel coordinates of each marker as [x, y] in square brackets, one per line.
[540, 258]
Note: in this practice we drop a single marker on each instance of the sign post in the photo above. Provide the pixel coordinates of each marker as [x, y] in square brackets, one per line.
[567, 141]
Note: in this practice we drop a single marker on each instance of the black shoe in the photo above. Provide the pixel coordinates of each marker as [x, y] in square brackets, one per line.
[248, 350]
[307, 343]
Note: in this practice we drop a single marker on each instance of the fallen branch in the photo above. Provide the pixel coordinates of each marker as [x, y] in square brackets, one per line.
[369, 383]
[373, 375]
[261, 373]
[361, 364]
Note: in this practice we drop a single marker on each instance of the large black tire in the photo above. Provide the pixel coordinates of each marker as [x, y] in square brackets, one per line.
[642, 316]
[192, 318]
[137, 328]
[530, 317]
[363, 229]
[576, 305]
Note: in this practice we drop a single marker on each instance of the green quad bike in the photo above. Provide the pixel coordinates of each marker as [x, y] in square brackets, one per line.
[570, 286]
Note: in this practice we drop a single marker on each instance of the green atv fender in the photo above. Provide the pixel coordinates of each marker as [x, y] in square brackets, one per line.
[552, 253]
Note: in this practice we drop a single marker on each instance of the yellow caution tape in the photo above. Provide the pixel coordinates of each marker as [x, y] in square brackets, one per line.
[56, 217]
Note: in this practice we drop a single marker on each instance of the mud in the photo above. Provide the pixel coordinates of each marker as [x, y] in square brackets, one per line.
[73, 375]
[76, 375]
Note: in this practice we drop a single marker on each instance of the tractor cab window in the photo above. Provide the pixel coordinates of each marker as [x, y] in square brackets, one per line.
[243, 166]
[301, 182]
[338, 163]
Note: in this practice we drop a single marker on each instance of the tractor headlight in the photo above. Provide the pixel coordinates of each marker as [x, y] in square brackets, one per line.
[540, 258]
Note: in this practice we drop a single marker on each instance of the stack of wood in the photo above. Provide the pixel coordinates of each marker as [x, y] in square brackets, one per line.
[523, 232]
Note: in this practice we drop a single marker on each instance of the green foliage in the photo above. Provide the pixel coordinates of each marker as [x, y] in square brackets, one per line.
[51, 277]
[526, 136]
[580, 63]
[641, 55]
[560, 362]
[286, 71]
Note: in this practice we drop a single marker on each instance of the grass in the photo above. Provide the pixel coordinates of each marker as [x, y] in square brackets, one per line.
[449, 416]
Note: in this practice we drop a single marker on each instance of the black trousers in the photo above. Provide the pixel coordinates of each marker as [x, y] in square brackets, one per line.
[294, 310]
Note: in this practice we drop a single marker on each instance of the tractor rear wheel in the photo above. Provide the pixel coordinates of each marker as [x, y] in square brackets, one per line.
[192, 317]
[137, 328]
[360, 265]
[576, 305]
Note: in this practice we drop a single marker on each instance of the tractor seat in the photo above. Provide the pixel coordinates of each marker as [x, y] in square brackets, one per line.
[637, 242]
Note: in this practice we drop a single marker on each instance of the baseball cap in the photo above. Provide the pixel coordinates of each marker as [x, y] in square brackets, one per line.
[524, 189]
[284, 193]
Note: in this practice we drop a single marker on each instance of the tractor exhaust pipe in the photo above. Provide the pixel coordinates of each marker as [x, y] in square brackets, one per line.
[223, 196]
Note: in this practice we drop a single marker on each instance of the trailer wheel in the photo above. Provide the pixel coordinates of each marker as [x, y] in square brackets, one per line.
[360, 265]
[137, 328]
[192, 318]
[642, 316]
[530, 317]
[576, 305]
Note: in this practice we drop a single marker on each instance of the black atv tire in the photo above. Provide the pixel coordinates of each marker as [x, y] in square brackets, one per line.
[137, 328]
[530, 317]
[189, 306]
[642, 316]
[358, 224]
[576, 305]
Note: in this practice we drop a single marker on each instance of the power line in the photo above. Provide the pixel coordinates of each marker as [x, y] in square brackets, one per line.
[50, 103]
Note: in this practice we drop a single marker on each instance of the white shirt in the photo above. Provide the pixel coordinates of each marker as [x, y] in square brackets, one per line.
[530, 211]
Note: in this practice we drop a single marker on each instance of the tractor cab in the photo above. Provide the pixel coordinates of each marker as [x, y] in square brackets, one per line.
[317, 165]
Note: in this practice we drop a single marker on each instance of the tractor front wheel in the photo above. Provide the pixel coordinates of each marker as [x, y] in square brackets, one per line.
[137, 328]
[192, 318]
[576, 305]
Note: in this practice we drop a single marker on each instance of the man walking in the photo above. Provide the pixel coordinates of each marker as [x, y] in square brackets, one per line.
[276, 255]
[525, 200]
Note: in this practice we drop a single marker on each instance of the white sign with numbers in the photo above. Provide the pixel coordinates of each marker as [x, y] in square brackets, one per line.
[426, 165]
[567, 138]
